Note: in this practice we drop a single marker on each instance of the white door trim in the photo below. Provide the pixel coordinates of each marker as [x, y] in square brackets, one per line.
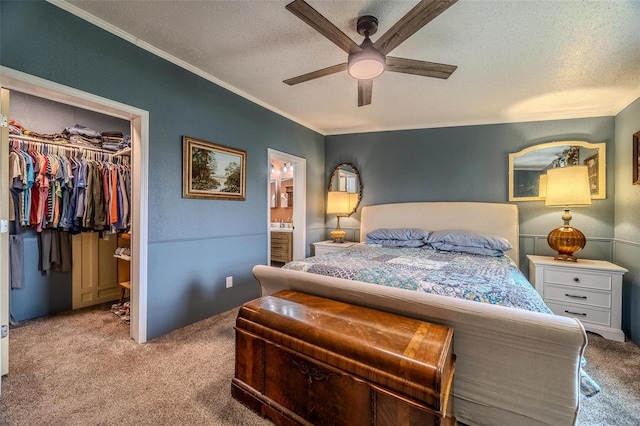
[299, 208]
[4, 236]
[26, 83]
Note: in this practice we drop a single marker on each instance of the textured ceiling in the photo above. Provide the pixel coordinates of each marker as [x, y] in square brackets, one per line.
[517, 60]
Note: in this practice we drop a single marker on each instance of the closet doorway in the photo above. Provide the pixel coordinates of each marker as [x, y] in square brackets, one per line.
[286, 207]
[139, 119]
[70, 259]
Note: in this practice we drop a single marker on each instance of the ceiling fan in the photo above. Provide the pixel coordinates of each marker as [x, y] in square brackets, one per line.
[369, 60]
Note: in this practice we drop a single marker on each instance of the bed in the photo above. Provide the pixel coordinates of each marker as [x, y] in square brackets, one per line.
[514, 365]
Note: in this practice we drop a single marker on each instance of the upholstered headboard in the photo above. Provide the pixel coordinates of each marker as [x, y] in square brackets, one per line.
[485, 218]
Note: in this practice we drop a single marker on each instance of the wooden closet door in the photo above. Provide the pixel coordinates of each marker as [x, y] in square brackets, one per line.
[94, 275]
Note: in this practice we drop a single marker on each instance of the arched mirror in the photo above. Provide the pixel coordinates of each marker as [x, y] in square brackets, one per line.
[345, 178]
[527, 168]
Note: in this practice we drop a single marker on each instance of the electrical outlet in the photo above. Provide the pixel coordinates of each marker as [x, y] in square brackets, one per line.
[229, 282]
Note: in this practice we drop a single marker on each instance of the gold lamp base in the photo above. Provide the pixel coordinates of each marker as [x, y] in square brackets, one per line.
[566, 241]
[338, 235]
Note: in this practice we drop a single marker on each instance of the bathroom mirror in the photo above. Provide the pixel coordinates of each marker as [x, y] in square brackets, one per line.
[345, 178]
[286, 192]
[527, 168]
[273, 193]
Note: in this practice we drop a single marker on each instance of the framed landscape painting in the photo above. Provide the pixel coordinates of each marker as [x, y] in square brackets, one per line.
[213, 171]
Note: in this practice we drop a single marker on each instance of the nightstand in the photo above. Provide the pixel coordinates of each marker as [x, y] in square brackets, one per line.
[326, 247]
[589, 290]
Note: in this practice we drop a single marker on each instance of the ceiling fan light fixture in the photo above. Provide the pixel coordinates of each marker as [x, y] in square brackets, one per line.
[367, 64]
[368, 60]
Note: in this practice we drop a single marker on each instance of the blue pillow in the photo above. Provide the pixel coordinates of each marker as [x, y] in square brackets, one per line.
[470, 242]
[397, 237]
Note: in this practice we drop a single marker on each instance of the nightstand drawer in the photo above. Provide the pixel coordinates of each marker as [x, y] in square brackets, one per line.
[589, 289]
[582, 313]
[577, 295]
[577, 278]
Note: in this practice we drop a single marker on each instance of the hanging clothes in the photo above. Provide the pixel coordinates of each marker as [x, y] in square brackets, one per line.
[60, 189]
[16, 243]
[73, 190]
[55, 251]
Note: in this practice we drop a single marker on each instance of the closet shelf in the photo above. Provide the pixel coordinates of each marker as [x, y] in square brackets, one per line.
[123, 151]
[65, 144]
[124, 264]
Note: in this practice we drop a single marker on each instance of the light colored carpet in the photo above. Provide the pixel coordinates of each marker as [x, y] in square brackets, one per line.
[616, 368]
[81, 368]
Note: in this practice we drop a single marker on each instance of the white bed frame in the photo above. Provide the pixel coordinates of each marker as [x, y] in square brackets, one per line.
[514, 367]
[486, 218]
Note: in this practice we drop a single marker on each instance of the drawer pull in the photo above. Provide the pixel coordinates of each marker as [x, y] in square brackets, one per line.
[575, 313]
[573, 296]
[576, 279]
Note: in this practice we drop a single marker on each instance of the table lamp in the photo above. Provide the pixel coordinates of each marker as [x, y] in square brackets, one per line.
[567, 187]
[341, 204]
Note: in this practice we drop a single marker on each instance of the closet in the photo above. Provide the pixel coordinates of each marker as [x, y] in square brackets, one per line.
[73, 242]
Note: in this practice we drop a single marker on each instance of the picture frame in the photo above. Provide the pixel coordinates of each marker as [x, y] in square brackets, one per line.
[592, 170]
[213, 171]
[636, 158]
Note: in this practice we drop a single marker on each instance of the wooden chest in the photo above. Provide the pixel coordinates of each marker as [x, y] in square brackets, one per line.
[303, 359]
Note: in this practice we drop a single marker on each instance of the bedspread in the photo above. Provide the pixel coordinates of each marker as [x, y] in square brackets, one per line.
[488, 279]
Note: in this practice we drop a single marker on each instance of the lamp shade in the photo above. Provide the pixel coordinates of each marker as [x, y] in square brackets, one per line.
[340, 202]
[568, 186]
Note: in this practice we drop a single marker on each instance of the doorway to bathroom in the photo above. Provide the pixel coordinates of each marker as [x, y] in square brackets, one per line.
[286, 207]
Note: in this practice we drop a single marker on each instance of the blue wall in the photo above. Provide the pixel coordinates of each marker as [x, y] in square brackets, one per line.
[193, 244]
[469, 163]
[627, 219]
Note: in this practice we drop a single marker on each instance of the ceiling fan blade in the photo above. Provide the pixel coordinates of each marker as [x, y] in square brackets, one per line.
[427, 69]
[316, 74]
[423, 13]
[365, 89]
[321, 24]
